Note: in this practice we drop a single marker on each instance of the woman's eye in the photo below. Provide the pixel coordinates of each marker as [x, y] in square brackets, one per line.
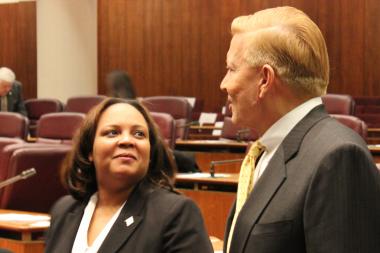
[111, 133]
[139, 134]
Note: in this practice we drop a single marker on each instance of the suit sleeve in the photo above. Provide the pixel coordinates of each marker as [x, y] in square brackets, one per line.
[342, 207]
[185, 230]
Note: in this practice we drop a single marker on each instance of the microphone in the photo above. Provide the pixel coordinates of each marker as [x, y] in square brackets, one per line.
[213, 163]
[23, 175]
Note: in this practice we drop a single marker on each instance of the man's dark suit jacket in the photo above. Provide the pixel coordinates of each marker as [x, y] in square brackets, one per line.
[15, 99]
[319, 193]
[163, 222]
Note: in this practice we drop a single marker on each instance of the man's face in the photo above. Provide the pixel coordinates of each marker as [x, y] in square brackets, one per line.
[5, 87]
[241, 84]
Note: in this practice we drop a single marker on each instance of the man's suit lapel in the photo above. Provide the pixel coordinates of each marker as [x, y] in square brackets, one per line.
[133, 209]
[271, 180]
[264, 190]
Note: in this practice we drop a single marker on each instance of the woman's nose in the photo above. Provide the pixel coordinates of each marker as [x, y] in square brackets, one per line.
[126, 140]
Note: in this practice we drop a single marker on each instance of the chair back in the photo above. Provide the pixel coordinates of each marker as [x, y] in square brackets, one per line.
[58, 127]
[39, 192]
[354, 123]
[13, 125]
[83, 104]
[36, 107]
[231, 131]
[166, 126]
[339, 104]
[178, 107]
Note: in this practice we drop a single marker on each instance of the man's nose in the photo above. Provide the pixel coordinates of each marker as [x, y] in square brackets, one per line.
[223, 84]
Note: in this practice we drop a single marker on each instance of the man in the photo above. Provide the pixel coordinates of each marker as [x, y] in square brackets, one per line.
[10, 92]
[315, 187]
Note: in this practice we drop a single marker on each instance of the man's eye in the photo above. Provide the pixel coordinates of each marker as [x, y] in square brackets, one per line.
[229, 70]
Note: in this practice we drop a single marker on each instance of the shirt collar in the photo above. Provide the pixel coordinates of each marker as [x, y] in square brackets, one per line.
[273, 137]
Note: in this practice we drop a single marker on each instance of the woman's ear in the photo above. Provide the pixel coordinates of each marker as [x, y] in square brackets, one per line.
[266, 81]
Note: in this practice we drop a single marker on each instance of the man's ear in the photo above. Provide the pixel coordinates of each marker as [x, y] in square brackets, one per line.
[90, 158]
[267, 79]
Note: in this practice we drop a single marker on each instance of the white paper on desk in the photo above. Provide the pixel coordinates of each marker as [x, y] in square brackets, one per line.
[200, 175]
[218, 132]
[45, 223]
[191, 101]
[23, 217]
[207, 117]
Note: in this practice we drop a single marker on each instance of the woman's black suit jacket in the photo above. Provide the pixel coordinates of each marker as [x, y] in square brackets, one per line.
[163, 222]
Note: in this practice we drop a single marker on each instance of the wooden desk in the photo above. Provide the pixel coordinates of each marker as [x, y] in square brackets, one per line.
[230, 146]
[205, 132]
[22, 236]
[31, 235]
[214, 196]
[222, 145]
[203, 181]
[375, 151]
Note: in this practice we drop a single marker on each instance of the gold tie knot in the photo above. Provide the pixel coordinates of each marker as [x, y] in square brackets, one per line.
[256, 150]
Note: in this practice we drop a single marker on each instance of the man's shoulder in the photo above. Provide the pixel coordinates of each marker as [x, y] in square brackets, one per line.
[17, 84]
[16, 87]
[329, 134]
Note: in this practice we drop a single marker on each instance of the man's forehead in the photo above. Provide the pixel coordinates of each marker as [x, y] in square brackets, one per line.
[4, 83]
[236, 51]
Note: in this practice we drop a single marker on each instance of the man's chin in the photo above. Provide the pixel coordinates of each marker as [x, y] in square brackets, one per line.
[236, 120]
[240, 122]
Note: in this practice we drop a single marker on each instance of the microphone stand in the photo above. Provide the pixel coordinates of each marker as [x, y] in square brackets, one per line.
[189, 124]
[23, 175]
[213, 163]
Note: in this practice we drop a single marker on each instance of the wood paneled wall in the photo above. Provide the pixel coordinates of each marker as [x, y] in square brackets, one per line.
[18, 48]
[178, 47]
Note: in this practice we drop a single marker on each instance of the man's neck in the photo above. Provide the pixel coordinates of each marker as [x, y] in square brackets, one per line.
[276, 108]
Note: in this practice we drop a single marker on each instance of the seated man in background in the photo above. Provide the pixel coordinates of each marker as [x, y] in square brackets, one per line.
[10, 92]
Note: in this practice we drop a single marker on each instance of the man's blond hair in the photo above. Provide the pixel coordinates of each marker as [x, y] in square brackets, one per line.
[289, 41]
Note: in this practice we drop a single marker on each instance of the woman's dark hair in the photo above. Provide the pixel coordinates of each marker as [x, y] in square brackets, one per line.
[78, 172]
[120, 85]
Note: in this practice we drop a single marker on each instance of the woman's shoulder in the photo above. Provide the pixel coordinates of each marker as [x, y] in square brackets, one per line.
[169, 201]
[63, 205]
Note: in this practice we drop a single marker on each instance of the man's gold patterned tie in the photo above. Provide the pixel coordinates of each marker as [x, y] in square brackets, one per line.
[246, 183]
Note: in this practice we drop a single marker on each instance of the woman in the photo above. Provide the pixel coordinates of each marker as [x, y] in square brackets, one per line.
[119, 175]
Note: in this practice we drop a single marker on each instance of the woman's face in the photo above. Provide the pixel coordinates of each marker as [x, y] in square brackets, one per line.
[121, 149]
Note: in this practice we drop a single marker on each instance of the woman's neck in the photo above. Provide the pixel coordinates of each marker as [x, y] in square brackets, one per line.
[112, 199]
